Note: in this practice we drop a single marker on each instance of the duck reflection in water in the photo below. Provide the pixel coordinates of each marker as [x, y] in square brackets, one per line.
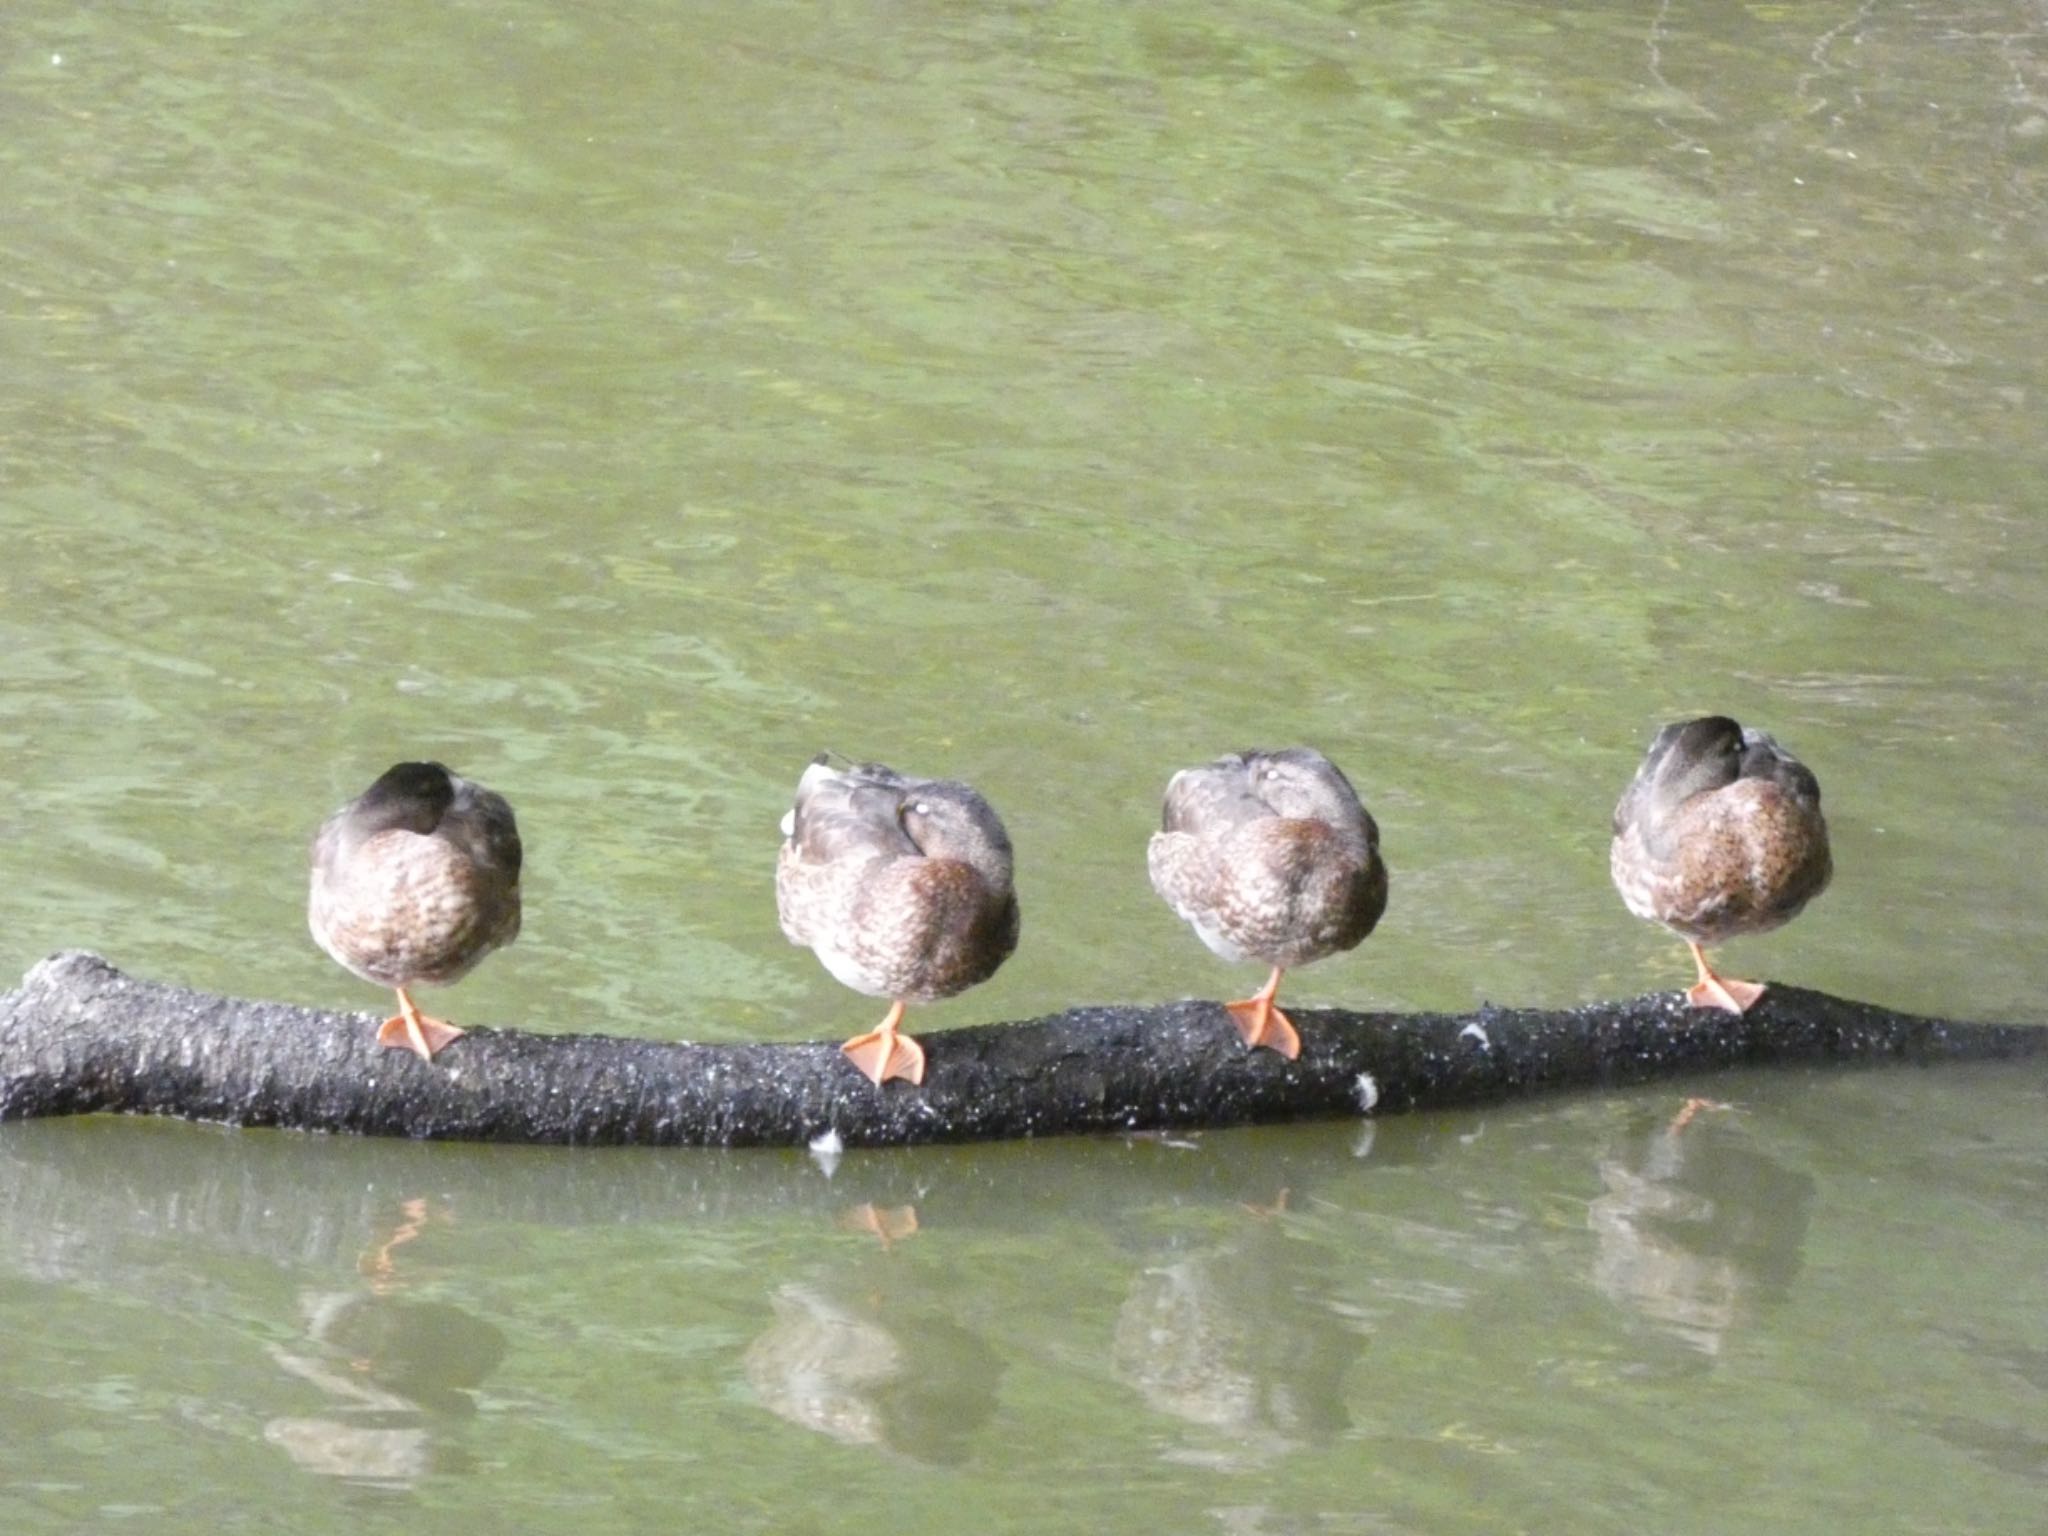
[395, 1372]
[1694, 1232]
[899, 1377]
[1233, 1340]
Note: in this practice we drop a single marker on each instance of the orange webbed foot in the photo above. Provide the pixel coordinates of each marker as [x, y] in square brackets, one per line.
[1262, 1023]
[882, 1053]
[411, 1030]
[889, 1224]
[1724, 992]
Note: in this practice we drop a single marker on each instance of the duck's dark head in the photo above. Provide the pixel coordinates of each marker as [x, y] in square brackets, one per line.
[1301, 783]
[950, 820]
[1694, 756]
[414, 796]
[1763, 758]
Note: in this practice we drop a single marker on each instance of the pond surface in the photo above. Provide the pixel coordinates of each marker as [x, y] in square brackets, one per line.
[623, 401]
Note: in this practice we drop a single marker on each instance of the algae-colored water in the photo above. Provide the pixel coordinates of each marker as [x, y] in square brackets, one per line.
[623, 401]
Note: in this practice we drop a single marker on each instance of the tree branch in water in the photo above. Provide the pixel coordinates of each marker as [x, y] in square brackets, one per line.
[80, 1037]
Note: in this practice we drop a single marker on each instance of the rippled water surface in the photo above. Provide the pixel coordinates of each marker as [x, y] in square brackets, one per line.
[622, 401]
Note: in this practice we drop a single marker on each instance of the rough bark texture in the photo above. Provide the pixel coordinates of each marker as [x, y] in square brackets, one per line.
[79, 1037]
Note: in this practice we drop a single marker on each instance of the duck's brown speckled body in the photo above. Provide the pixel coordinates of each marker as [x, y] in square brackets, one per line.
[415, 881]
[902, 887]
[1720, 834]
[1271, 857]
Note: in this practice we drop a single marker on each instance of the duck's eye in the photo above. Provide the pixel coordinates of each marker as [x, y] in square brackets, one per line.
[920, 809]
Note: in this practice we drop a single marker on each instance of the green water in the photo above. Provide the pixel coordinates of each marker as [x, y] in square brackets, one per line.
[622, 401]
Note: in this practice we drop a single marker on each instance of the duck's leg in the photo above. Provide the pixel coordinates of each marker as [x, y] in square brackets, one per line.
[411, 1030]
[881, 1053]
[377, 1263]
[1689, 1110]
[1262, 1023]
[1712, 991]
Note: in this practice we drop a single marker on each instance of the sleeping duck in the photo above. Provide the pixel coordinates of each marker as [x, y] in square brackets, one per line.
[1272, 858]
[1720, 834]
[902, 887]
[414, 881]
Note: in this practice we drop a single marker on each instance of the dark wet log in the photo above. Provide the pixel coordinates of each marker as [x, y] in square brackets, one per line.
[79, 1037]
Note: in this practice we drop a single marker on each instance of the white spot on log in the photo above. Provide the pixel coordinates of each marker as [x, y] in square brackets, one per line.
[1477, 1032]
[1368, 1093]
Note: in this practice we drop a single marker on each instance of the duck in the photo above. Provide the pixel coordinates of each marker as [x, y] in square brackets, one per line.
[1270, 856]
[903, 889]
[415, 881]
[1719, 834]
